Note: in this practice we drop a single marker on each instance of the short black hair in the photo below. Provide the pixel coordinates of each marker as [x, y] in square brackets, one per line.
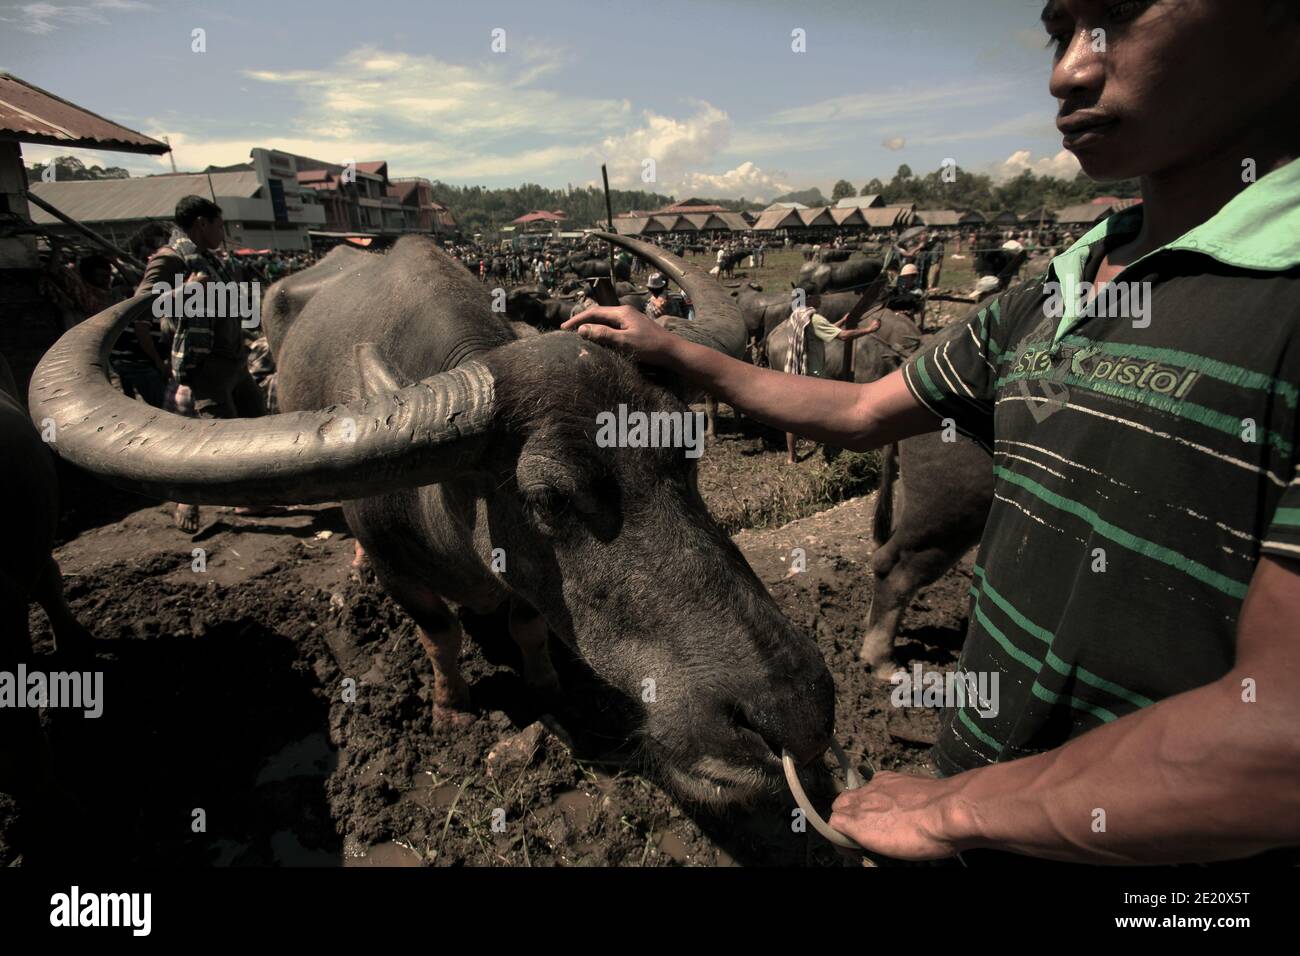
[191, 209]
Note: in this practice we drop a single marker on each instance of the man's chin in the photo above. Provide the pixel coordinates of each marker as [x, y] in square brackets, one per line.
[1105, 164]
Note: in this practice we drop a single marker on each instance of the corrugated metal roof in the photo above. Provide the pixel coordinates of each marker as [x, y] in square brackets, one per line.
[817, 216]
[29, 114]
[1042, 213]
[629, 227]
[883, 217]
[847, 216]
[538, 216]
[734, 221]
[150, 197]
[859, 202]
[939, 217]
[666, 223]
[777, 219]
[690, 206]
[1084, 213]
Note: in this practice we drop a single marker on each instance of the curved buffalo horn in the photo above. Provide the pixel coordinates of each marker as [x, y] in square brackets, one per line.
[718, 323]
[413, 436]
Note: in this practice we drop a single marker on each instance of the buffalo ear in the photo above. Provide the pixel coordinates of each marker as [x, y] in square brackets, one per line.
[375, 377]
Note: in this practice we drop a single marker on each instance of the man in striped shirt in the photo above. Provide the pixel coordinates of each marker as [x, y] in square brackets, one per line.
[1137, 590]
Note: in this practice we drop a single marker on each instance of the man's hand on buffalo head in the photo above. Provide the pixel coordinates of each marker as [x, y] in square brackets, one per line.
[627, 329]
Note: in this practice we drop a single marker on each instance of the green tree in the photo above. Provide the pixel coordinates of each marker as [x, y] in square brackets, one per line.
[842, 190]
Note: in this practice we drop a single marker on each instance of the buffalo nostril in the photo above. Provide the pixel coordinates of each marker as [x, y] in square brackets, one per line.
[800, 728]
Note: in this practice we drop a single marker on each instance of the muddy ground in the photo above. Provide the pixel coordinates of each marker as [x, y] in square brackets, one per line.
[226, 739]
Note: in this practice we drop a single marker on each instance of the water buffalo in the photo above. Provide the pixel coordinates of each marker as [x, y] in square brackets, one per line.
[732, 259]
[596, 268]
[830, 254]
[946, 489]
[761, 310]
[532, 305]
[28, 572]
[875, 355]
[816, 278]
[536, 308]
[468, 463]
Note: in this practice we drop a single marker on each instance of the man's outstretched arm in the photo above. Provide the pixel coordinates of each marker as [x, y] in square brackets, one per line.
[1210, 774]
[844, 414]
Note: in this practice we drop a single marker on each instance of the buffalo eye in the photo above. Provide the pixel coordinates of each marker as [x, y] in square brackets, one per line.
[547, 506]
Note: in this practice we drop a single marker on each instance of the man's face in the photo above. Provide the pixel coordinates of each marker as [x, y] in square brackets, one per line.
[211, 232]
[1166, 82]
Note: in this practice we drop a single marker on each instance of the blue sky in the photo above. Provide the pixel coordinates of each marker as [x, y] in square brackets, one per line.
[712, 92]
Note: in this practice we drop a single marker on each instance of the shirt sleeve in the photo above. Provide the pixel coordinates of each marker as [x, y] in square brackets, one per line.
[163, 267]
[954, 375]
[823, 329]
[1282, 539]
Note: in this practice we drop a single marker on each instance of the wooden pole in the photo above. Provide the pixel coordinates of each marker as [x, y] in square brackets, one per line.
[609, 214]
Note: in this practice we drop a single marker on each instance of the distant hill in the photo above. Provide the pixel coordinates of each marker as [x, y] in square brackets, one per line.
[809, 197]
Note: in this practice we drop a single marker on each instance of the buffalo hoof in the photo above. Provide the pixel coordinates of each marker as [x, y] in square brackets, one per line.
[359, 559]
[451, 718]
[882, 669]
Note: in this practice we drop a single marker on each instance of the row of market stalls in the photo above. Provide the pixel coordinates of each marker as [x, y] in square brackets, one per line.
[793, 217]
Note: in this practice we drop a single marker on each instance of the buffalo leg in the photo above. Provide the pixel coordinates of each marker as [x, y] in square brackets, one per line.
[24, 755]
[898, 577]
[69, 636]
[441, 636]
[528, 630]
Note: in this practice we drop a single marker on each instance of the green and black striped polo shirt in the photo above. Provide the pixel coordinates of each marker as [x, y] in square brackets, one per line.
[1144, 461]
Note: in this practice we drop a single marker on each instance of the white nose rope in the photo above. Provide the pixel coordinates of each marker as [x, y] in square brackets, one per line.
[852, 781]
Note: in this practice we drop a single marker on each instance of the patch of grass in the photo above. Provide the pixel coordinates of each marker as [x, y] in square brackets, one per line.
[776, 498]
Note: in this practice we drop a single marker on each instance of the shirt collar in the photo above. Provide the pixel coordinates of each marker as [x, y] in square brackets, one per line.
[1257, 229]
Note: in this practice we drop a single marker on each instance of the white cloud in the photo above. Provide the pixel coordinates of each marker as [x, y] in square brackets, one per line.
[682, 149]
[746, 180]
[675, 145]
[867, 106]
[894, 143]
[371, 91]
[1063, 165]
[43, 18]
